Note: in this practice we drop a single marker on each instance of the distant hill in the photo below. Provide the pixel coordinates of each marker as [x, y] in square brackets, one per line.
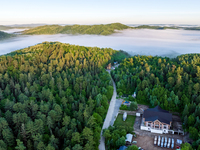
[154, 27]
[77, 29]
[192, 28]
[5, 27]
[4, 35]
[157, 27]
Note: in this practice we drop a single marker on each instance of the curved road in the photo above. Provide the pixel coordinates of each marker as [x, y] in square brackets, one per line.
[109, 116]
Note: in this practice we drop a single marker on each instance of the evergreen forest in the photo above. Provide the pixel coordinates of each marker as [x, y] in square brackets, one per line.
[174, 84]
[54, 96]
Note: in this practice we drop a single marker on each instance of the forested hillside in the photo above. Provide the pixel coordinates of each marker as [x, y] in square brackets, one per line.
[171, 83]
[54, 96]
[77, 29]
[4, 35]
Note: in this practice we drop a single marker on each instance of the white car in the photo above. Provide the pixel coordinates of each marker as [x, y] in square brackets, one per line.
[172, 146]
[158, 142]
[172, 141]
[165, 145]
[161, 145]
[155, 139]
[168, 145]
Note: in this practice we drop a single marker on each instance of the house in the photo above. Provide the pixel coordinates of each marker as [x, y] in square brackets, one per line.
[109, 66]
[129, 138]
[115, 63]
[122, 148]
[156, 120]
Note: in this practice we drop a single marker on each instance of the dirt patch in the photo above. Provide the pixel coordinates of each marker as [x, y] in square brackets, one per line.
[147, 143]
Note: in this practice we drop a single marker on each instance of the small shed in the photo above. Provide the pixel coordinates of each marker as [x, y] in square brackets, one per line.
[122, 148]
[129, 138]
[134, 95]
[124, 116]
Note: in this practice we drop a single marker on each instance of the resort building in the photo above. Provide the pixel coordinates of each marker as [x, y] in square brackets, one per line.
[156, 120]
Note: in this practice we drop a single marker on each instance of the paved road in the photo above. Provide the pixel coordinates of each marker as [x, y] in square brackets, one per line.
[109, 116]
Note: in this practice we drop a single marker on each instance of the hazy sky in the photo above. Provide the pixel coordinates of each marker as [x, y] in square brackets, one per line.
[100, 11]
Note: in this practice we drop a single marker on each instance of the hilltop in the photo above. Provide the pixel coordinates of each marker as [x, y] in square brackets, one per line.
[4, 35]
[54, 96]
[2, 27]
[102, 29]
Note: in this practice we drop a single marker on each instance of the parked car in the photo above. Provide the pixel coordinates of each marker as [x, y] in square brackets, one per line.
[172, 146]
[161, 145]
[165, 139]
[172, 141]
[159, 138]
[158, 142]
[155, 141]
[134, 142]
[162, 139]
[165, 145]
[162, 142]
[169, 141]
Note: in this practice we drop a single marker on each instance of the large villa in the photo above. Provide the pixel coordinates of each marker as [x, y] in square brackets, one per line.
[156, 120]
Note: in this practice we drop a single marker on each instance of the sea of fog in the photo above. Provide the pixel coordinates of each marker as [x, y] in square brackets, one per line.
[134, 41]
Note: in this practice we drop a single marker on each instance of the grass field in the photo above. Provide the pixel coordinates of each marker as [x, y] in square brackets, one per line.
[129, 120]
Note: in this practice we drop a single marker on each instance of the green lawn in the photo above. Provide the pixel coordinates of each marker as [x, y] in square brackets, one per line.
[128, 123]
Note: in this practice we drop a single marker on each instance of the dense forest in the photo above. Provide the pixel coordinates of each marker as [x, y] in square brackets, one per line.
[4, 35]
[77, 29]
[54, 96]
[171, 83]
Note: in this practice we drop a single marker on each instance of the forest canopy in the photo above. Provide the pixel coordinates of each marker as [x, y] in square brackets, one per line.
[77, 29]
[54, 96]
[174, 84]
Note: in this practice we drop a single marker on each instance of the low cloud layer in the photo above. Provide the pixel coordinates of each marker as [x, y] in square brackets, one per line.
[144, 41]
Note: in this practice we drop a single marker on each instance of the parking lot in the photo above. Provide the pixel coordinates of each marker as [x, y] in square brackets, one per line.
[147, 143]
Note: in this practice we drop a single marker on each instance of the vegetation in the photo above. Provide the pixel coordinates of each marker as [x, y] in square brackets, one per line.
[154, 27]
[192, 28]
[54, 96]
[4, 35]
[115, 136]
[165, 27]
[132, 147]
[133, 106]
[128, 123]
[77, 29]
[171, 83]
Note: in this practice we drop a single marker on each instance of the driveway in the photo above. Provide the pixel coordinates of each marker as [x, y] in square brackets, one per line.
[116, 110]
[110, 115]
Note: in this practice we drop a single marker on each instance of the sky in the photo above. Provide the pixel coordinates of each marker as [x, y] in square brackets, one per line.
[100, 11]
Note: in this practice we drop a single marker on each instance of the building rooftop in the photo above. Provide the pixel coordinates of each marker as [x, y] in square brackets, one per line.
[157, 113]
